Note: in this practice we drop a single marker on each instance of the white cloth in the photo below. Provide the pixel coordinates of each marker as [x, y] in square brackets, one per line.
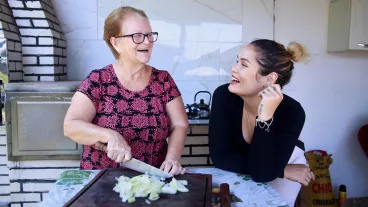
[251, 193]
[290, 189]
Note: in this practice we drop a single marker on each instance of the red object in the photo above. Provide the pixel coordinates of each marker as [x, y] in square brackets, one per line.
[225, 200]
[139, 116]
[363, 138]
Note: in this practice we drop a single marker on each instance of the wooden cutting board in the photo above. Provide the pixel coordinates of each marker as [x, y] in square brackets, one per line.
[99, 192]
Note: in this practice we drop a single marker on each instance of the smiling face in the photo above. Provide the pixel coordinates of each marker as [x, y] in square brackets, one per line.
[128, 50]
[245, 78]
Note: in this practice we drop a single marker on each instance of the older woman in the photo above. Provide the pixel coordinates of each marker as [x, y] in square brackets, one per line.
[254, 128]
[130, 106]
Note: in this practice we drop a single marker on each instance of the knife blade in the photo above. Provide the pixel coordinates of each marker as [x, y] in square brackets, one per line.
[142, 167]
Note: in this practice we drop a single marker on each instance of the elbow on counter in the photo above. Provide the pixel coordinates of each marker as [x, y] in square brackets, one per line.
[263, 176]
[216, 160]
[224, 164]
[221, 165]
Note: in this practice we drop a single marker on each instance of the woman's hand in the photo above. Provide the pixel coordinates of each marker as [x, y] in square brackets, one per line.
[173, 167]
[298, 173]
[271, 99]
[117, 148]
[101, 146]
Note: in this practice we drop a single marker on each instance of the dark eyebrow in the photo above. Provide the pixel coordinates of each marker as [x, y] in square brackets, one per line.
[245, 59]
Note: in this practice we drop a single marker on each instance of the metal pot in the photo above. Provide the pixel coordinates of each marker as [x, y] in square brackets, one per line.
[199, 110]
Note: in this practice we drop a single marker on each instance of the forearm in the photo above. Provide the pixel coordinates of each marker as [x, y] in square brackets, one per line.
[287, 171]
[270, 153]
[230, 161]
[176, 142]
[86, 133]
[267, 155]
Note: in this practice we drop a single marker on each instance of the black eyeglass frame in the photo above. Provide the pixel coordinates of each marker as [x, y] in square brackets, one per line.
[144, 36]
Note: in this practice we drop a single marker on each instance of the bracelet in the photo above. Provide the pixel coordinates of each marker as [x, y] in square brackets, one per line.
[260, 122]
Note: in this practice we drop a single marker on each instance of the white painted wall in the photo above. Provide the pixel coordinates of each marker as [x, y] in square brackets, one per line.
[332, 90]
[199, 48]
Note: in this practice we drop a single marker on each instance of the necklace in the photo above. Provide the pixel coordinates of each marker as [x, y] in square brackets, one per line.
[250, 125]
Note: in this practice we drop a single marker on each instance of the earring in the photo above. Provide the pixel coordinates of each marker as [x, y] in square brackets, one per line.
[265, 86]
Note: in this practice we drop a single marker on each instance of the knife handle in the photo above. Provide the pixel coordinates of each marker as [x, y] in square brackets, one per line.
[225, 195]
[101, 146]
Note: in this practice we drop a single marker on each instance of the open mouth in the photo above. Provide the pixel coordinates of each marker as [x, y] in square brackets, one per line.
[142, 50]
[234, 80]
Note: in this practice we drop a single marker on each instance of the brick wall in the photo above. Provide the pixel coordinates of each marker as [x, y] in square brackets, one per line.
[4, 171]
[196, 153]
[30, 181]
[26, 183]
[9, 30]
[43, 44]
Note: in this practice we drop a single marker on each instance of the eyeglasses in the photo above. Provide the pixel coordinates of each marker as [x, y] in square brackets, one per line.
[138, 38]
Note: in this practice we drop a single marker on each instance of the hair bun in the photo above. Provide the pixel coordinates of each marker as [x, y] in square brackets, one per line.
[297, 52]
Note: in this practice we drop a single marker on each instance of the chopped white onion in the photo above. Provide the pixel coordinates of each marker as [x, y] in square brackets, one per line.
[146, 185]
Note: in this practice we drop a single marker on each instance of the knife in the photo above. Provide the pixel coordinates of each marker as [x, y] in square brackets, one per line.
[139, 166]
[142, 167]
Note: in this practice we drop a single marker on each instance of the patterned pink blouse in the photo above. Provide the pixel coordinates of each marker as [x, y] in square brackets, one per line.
[140, 117]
